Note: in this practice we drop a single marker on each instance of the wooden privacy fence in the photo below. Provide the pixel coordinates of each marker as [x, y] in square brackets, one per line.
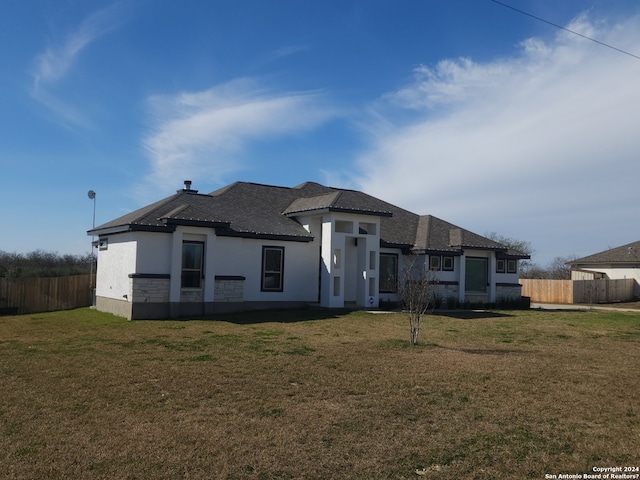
[601, 290]
[45, 294]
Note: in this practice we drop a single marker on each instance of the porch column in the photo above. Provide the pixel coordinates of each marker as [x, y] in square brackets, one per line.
[332, 275]
[209, 268]
[491, 275]
[176, 273]
[462, 280]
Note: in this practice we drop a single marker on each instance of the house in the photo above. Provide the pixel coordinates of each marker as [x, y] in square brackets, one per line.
[614, 264]
[248, 246]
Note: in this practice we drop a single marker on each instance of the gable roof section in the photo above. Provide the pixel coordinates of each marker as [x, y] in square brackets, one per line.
[347, 201]
[254, 210]
[162, 216]
[625, 255]
[435, 235]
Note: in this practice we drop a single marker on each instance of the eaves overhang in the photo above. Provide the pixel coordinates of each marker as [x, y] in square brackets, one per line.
[618, 264]
[264, 236]
[438, 251]
[498, 250]
[402, 246]
[133, 227]
[317, 211]
[195, 222]
[513, 256]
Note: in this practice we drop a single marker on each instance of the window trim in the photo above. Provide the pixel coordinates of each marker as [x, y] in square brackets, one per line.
[501, 265]
[264, 271]
[512, 266]
[201, 269]
[445, 260]
[441, 263]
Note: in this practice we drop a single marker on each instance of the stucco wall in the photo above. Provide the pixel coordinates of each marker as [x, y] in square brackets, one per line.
[153, 253]
[243, 257]
[114, 266]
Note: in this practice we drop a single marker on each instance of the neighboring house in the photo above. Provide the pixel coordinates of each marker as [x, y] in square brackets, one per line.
[616, 263]
[250, 246]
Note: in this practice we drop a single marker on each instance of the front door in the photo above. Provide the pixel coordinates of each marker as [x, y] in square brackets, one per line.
[476, 279]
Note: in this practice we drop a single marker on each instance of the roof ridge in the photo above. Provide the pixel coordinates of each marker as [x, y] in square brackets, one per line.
[336, 196]
[175, 211]
[158, 205]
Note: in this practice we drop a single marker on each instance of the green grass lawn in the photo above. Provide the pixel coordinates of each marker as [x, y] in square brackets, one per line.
[314, 394]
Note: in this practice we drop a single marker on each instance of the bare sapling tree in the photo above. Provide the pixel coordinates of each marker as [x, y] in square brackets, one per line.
[416, 293]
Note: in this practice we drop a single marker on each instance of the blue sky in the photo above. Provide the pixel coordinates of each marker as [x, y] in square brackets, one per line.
[462, 109]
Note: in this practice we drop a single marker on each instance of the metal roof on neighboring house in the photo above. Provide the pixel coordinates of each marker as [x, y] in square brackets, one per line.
[264, 211]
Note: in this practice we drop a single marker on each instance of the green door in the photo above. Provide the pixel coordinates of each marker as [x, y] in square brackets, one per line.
[476, 275]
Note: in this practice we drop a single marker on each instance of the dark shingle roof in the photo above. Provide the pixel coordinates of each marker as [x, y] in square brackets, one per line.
[436, 235]
[626, 254]
[264, 211]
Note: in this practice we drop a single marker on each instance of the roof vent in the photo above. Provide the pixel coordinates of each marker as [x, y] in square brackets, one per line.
[187, 187]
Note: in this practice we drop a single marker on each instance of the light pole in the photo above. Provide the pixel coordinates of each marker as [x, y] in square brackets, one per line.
[92, 196]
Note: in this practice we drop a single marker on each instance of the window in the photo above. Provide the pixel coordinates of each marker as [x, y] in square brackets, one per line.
[272, 269]
[506, 265]
[437, 262]
[388, 272]
[192, 261]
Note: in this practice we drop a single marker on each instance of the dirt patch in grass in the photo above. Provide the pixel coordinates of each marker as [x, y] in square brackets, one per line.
[516, 395]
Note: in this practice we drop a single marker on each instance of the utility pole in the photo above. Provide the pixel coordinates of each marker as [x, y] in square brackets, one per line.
[92, 196]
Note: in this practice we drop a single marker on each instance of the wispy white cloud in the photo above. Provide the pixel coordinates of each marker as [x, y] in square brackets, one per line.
[59, 57]
[204, 134]
[287, 51]
[548, 135]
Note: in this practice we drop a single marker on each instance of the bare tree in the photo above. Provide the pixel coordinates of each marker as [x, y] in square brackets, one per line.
[559, 268]
[416, 293]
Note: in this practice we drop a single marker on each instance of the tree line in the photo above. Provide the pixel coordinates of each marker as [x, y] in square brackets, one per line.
[40, 263]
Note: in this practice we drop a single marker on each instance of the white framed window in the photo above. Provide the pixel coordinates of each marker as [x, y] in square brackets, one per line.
[192, 264]
[444, 262]
[272, 269]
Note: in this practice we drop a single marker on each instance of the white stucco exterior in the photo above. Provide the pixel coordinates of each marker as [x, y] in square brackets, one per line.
[114, 266]
[186, 258]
